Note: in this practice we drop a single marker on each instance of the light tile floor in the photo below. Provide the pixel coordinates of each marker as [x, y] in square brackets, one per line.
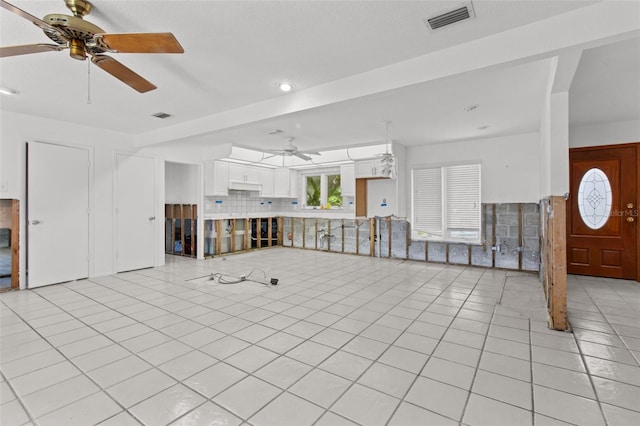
[341, 340]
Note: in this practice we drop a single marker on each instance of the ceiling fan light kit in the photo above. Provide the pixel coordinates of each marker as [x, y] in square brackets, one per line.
[83, 39]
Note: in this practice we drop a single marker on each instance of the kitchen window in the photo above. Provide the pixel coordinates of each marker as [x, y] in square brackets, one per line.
[445, 203]
[323, 190]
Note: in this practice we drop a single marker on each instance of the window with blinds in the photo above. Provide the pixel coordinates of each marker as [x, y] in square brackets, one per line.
[446, 203]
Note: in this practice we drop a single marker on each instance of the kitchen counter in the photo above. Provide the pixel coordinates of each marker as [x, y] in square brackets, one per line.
[317, 213]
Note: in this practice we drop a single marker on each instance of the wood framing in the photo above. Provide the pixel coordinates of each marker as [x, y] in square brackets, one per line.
[388, 220]
[247, 234]
[15, 244]
[357, 236]
[218, 226]
[233, 235]
[558, 263]
[520, 234]
[372, 237]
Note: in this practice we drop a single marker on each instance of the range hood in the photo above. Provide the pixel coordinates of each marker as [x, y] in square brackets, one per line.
[245, 186]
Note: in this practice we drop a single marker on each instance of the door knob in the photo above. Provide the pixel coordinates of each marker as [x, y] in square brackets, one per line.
[630, 219]
[629, 205]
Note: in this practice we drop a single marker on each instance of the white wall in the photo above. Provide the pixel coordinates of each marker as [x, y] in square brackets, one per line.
[17, 129]
[382, 191]
[510, 165]
[181, 183]
[604, 134]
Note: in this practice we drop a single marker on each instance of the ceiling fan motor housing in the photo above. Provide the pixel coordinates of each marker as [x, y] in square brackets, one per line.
[77, 30]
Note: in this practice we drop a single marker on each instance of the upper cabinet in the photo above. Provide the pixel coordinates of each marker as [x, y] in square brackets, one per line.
[244, 173]
[369, 169]
[220, 176]
[267, 179]
[282, 182]
[348, 180]
[216, 178]
[286, 183]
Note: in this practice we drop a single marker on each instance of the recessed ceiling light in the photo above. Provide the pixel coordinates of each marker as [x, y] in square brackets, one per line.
[274, 131]
[7, 91]
[161, 115]
[285, 86]
[471, 108]
[485, 127]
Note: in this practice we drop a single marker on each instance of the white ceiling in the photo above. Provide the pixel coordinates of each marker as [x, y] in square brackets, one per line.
[236, 51]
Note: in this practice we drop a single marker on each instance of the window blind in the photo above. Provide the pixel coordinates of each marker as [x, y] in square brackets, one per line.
[427, 200]
[463, 196]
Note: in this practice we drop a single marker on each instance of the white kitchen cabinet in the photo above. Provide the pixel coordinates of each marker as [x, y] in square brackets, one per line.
[369, 169]
[244, 177]
[236, 172]
[348, 180]
[267, 179]
[282, 180]
[294, 184]
[216, 178]
[252, 174]
[244, 173]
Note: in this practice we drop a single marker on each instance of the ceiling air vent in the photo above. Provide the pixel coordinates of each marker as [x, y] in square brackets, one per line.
[162, 115]
[450, 17]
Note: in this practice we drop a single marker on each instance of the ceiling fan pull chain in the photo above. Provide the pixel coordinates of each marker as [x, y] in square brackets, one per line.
[89, 82]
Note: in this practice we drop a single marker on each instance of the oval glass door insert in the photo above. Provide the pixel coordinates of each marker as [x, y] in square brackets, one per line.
[594, 198]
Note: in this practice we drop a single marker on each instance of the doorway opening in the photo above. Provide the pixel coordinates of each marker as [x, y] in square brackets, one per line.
[9, 244]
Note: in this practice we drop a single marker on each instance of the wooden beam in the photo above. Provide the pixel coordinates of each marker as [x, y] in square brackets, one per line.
[218, 226]
[493, 235]
[247, 234]
[233, 235]
[194, 230]
[558, 236]
[357, 223]
[388, 220]
[407, 239]
[15, 244]
[520, 234]
[280, 226]
[304, 233]
[372, 237]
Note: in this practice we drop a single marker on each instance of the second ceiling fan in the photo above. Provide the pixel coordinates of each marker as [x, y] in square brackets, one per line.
[83, 39]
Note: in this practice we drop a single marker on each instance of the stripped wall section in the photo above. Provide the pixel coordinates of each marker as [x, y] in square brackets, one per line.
[510, 238]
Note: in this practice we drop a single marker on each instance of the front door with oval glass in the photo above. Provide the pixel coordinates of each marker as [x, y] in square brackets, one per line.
[602, 212]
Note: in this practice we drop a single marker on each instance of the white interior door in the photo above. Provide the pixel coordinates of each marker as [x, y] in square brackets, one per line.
[135, 212]
[58, 213]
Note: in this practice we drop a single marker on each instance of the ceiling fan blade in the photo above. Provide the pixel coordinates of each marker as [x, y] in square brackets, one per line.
[26, 49]
[311, 152]
[123, 73]
[140, 43]
[29, 17]
[271, 156]
[302, 156]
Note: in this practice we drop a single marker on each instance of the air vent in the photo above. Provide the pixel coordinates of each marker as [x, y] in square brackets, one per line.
[450, 17]
[162, 115]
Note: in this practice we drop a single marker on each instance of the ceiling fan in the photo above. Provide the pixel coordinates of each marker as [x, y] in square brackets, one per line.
[290, 150]
[83, 39]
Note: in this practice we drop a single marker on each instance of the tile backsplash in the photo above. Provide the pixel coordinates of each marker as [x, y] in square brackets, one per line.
[247, 202]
